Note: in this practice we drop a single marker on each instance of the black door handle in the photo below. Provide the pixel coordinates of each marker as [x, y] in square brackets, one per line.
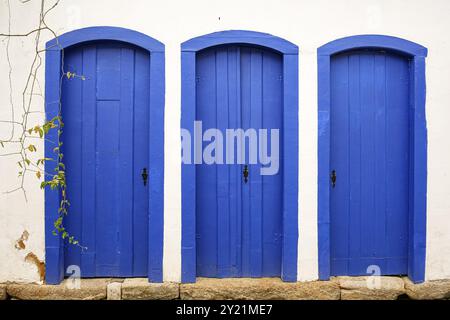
[245, 173]
[144, 176]
[333, 178]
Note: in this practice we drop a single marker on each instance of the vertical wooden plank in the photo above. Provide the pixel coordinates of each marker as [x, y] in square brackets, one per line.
[238, 168]
[126, 169]
[54, 254]
[223, 180]
[141, 149]
[290, 165]
[88, 174]
[355, 164]
[107, 183]
[397, 172]
[272, 189]
[342, 107]
[156, 160]
[206, 176]
[71, 138]
[108, 72]
[246, 118]
[381, 245]
[324, 208]
[418, 170]
[255, 180]
[367, 211]
[188, 171]
[234, 115]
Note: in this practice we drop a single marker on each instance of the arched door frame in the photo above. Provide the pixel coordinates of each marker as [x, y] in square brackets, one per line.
[54, 245]
[289, 52]
[418, 146]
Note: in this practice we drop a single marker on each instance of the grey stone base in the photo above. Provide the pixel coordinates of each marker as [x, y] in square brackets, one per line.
[258, 289]
[141, 289]
[429, 290]
[89, 289]
[371, 288]
[344, 288]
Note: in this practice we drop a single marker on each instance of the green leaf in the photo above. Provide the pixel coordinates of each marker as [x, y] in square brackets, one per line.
[58, 222]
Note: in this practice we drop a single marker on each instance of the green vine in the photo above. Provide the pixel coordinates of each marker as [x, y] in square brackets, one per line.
[58, 180]
[24, 150]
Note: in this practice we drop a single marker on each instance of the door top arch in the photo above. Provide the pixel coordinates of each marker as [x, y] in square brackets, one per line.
[239, 37]
[54, 246]
[78, 36]
[372, 41]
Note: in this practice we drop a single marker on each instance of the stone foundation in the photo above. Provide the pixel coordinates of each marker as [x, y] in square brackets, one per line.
[344, 288]
[371, 288]
[258, 289]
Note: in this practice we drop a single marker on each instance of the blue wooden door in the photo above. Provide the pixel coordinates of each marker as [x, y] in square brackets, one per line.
[370, 158]
[106, 147]
[238, 224]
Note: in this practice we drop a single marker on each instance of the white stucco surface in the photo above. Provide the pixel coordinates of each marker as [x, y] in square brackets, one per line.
[309, 24]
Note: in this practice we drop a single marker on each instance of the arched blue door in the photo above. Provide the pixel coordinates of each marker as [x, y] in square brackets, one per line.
[252, 82]
[105, 107]
[239, 222]
[369, 162]
[109, 83]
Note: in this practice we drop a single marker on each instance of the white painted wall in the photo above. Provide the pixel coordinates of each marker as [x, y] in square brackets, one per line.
[308, 24]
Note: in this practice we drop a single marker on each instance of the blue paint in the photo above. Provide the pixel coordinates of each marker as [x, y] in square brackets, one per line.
[156, 169]
[188, 176]
[53, 245]
[116, 95]
[370, 153]
[239, 229]
[240, 37]
[367, 99]
[88, 157]
[109, 117]
[238, 225]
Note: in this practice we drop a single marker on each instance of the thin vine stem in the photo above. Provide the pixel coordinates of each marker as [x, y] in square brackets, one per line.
[21, 133]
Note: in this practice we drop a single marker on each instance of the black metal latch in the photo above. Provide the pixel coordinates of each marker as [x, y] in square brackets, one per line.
[245, 173]
[144, 176]
[333, 178]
